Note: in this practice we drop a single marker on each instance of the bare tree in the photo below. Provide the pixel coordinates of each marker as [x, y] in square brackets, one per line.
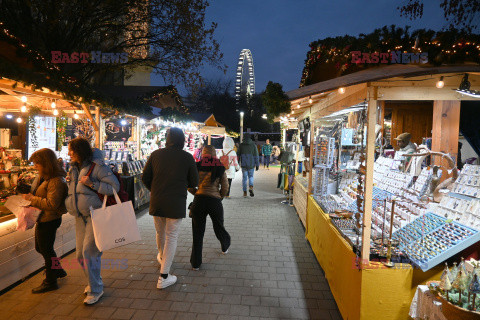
[168, 36]
[459, 14]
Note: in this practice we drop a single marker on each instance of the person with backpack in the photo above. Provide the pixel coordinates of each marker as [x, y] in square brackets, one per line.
[229, 160]
[88, 178]
[211, 190]
[248, 157]
[167, 174]
[48, 193]
[267, 153]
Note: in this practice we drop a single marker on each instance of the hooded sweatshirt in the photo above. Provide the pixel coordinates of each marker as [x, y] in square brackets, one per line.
[228, 145]
[167, 174]
[80, 197]
[248, 153]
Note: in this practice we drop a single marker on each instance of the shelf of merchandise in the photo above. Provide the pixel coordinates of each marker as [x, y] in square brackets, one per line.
[356, 290]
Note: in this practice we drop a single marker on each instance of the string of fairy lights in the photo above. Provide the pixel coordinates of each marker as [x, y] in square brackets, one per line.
[24, 109]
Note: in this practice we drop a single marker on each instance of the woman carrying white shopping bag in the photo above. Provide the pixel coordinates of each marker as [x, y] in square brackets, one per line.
[116, 225]
[82, 195]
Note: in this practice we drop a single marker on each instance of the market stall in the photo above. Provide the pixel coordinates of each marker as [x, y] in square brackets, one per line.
[371, 218]
[31, 119]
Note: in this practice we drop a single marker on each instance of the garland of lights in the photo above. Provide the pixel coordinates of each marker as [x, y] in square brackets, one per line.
[46, 74]
[443, 47]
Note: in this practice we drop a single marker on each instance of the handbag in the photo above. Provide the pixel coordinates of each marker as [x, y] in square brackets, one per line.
[115, 225]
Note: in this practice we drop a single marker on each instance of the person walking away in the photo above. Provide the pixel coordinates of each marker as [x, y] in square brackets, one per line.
[267, 152]
[213, 187]
[49, 190]
[248, 157]
[88, 177]
[231, 156]
[167, 174]
[275, 152]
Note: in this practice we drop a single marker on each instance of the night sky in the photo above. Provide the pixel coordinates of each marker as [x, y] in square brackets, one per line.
[278, 31]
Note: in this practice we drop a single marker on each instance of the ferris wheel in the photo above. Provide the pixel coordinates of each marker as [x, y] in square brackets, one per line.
[245, 81]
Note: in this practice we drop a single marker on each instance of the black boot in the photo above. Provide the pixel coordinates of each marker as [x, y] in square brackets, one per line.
[45, 287]
[60, 273]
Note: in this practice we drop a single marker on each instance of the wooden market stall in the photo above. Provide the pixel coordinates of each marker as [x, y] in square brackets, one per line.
[365, 289]
[29, 114]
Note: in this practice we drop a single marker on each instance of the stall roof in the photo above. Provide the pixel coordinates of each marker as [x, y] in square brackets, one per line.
[156, 96]
[375, 74]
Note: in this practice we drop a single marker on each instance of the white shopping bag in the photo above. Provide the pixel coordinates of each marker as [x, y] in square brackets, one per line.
[114, 226]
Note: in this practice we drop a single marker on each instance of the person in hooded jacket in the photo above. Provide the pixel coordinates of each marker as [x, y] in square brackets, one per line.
[228, 151]
[249, 161]
[83, 189]
[212, 189]
[167, 174]
[48, 193]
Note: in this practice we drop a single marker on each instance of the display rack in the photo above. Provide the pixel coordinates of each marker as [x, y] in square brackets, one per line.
[431, 239]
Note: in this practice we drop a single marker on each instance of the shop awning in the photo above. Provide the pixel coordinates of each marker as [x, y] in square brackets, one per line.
[375, 74]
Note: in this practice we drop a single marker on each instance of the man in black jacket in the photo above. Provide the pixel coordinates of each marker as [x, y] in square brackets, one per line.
[248, 156]
[167, 174]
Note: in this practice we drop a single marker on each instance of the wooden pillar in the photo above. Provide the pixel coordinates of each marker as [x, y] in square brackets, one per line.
[97, 130]
[368, 189]
[445, 129]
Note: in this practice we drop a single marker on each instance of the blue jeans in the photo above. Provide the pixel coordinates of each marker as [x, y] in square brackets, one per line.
[247, 174]
[87, 253]
[266, 160]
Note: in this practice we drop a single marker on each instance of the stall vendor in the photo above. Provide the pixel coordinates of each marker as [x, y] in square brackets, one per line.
[405, 147]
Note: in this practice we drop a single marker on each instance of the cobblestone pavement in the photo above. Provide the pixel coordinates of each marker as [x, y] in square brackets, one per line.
[270, 272]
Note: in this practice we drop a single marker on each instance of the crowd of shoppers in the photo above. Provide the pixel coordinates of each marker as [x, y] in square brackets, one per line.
[169, 174]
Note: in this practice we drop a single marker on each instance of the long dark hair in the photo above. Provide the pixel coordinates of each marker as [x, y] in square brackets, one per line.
[48, 160]
[82, 148]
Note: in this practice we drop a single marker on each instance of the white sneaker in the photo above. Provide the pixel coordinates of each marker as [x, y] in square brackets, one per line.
[195, 269]
[225, 252]
[159, 258]
[92, 298]
[163, 283]
[87, 289]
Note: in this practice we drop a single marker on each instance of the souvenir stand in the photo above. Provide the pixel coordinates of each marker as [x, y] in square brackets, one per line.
[212, 128]
[372, 223]
[300, 191]
[31, 119]
[122, 150]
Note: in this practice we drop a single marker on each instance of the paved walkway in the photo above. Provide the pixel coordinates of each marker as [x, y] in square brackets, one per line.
[270, 272]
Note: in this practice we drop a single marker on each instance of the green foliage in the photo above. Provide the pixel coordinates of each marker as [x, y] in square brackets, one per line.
[275, 100]
[334, 54]
[172, 114]
[62, 122]
[32, 127]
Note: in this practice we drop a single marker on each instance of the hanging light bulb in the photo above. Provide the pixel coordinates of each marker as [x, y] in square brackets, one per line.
[75, 115]
[341, 90]
[298, 106]
[23, 108]
[19, 120]
[55, 112]
[24, 99]
[9, 116]
[54, 105]
[440, 83]
[310, 100]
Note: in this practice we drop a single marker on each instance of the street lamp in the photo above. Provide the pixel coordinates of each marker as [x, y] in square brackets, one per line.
[241, 126]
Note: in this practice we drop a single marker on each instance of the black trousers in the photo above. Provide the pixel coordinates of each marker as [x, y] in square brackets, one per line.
[203, 207]
[229, 186]
[45, 233]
